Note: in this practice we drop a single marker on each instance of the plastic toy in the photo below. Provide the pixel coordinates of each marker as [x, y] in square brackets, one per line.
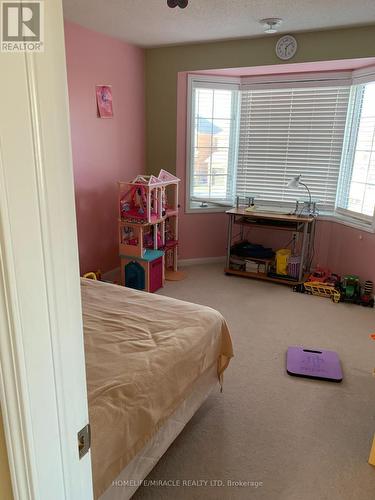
[367, 298]
[143, 273]
[322, 290]
[333, 280]
[144, 199]
[319, 275]
[350, 288]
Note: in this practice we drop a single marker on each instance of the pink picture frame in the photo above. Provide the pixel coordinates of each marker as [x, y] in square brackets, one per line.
[104, 101]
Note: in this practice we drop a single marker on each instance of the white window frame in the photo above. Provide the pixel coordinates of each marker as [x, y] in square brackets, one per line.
[209, 82]
[347, 162]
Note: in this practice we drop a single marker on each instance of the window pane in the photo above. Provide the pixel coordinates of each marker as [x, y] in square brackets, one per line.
[357, 191]
[204, 101]
[222, 104]
[213, 143]
[368, 200]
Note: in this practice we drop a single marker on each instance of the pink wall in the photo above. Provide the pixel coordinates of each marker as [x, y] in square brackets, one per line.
[352, 251]
[201, 235]
[343, 249]
[104, 150]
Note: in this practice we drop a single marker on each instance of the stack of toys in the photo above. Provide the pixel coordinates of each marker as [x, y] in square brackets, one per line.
[148, 229]
[323, 283]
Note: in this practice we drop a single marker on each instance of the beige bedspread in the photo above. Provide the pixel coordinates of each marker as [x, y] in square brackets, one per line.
[143, 354]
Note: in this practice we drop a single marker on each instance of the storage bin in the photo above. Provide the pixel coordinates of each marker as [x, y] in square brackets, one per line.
[282, 257]
[294, 264]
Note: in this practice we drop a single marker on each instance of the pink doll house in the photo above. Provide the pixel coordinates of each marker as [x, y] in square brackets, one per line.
[148, 229]
[144, 199]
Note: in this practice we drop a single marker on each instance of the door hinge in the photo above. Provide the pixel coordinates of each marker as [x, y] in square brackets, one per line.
[84, 440]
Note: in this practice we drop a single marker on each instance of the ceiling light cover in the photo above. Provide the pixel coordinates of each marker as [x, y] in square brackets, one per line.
[271, 24]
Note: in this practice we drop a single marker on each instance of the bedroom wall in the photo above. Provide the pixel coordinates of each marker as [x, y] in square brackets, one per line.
[104, 150]
[204, 235]
[5, 482]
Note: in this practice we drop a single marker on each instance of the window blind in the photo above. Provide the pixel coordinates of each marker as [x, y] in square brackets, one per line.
[287, 132]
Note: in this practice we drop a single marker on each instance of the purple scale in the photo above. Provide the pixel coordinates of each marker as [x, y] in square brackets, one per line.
[313, 363]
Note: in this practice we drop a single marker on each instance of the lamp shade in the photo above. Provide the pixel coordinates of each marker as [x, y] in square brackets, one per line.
[294, 182]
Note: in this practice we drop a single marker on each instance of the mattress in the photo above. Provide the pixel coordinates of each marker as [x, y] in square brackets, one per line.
[132, 476]
[144, 353]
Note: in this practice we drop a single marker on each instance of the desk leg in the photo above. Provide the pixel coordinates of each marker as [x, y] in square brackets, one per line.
[302, 266]
[229, 239]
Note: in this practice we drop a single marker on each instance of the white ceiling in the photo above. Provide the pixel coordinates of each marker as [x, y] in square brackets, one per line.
[151, 23]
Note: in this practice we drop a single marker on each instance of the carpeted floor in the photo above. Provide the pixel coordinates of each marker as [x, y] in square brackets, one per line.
[303, 439]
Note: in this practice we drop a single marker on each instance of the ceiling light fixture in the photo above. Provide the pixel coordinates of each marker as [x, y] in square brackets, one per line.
[271, 24]
[180, 3]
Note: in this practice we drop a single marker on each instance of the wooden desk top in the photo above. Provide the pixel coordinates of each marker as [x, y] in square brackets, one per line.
[269, 215]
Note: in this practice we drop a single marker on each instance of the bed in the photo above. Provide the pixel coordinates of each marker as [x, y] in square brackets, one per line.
[150, 363]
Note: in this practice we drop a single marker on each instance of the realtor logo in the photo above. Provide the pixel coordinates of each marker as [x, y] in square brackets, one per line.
[22, 26]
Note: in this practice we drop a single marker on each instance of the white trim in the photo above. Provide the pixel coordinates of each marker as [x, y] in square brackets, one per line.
[42, 371]
[201, 260]
[209, 81]
[322, 79]
[363, 75]
[15, 404]
[213, 79]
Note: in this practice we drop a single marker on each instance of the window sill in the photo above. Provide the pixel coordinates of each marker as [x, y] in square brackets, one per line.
[323, 216]
[347, 221]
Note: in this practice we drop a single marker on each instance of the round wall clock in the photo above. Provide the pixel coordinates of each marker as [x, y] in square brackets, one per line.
[286, 47]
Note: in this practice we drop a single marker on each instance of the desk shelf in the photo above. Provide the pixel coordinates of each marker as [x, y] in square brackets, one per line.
[273, 222]
[262, 276]
[295, 228]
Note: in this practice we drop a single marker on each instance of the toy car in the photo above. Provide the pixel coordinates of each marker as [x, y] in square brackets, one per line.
[350, 289]
[333, 280]
[322, 290]
[319, 275]
[367, 298]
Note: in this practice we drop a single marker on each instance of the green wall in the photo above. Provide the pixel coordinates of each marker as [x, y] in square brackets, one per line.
[163, 64]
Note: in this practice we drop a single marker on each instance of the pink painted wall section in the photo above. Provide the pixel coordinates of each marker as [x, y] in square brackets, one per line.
[104, 150]
[352, 251]
[201, 235]
[343, 249]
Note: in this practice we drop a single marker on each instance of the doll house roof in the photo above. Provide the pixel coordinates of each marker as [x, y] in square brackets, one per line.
[167, 177]
[163, 178]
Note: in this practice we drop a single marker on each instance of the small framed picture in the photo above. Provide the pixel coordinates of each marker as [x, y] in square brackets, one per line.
[104, 101]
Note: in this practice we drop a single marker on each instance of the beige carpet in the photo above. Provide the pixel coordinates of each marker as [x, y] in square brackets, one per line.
[304, 439]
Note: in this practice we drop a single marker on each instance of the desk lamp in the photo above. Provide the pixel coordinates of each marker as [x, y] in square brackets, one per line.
[295, 182]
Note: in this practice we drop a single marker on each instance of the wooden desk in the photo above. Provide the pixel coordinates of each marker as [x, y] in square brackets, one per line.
[271, 221]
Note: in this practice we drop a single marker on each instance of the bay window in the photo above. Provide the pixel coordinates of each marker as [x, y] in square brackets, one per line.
[251, 139]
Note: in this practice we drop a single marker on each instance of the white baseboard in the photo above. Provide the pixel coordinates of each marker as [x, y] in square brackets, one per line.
[203, 260]
[115, 273]
[111, 275]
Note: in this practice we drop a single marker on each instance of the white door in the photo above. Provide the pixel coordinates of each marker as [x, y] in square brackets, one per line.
[42, 369]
